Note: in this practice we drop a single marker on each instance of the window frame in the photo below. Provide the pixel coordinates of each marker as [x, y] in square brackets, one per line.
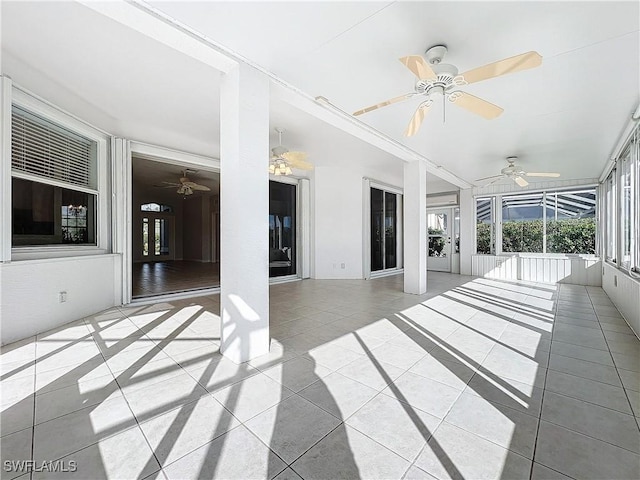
[493, 242]
[613, 207]
[40, 107]
[497, 220]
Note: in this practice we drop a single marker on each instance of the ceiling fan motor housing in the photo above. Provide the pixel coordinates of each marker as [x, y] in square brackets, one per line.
[445, 73]
[435, 54]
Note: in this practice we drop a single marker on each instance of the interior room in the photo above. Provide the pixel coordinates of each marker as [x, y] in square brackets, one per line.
[176, 239]
[320, 240]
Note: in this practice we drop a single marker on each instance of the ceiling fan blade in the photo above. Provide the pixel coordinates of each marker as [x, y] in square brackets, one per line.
[543, 174]
[489, 178]
[521, 181]
[197, 186]
[384, 104]
[416, 120]
[477, 105]
[301, 165]
[502, 67]
[294, 156]
[418, 66]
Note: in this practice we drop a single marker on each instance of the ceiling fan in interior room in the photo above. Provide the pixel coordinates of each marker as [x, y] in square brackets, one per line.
[436, 79]
[515, 173]
[282, 160]
[185, 185]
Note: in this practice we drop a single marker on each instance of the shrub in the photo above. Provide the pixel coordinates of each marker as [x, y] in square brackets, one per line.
[563, 236]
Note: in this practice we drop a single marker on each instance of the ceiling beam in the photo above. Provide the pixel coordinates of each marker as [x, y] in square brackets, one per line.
[322, 109]
[163, 29]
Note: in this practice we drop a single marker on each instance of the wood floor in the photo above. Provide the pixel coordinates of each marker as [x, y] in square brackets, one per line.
[155, 278]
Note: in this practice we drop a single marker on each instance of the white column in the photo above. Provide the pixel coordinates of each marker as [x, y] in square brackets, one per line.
[467, 230]
[244, 213]
[415, 227]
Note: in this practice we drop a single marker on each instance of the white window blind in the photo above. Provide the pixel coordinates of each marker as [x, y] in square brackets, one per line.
[41, 148]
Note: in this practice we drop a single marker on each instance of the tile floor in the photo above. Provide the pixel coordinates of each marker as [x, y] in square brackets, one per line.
[478, 379]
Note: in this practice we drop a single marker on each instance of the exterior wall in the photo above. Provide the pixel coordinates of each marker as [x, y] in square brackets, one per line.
[624, 291]
[29, 296]
[577, 270]
[338, 214]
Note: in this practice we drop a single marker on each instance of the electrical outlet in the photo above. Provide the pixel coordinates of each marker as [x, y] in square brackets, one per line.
[62, 297]
[498, 263]
[615, 280]
[342, 266]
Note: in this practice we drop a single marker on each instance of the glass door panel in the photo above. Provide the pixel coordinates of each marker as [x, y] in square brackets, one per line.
[384, 207]
[439, 240]
[282, 229]
[377, 230]
[390, 230]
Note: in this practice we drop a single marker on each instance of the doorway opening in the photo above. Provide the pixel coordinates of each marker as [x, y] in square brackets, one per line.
[282, 229]
[174, 240]
[443, 239]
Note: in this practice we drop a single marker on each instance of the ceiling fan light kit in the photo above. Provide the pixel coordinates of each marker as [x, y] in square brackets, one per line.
[282, 160]
[437, 79]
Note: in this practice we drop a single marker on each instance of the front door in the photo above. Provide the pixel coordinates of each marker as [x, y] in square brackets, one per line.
[439, 239]
[157, 237]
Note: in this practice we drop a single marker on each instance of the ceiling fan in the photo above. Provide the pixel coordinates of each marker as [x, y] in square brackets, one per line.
[516, 173]
[282, 160]
[186, 186]
[437, 79]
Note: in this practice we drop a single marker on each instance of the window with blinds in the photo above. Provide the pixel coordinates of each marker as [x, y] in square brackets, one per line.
[48, 151]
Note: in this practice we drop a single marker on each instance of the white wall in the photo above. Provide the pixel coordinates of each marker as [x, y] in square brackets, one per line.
[338, 213]
[29, 292]
[577, 270]
[626, 294]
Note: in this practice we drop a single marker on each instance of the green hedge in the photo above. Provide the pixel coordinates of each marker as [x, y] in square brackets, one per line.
[483, 238]
[571, 236]
[563, 236]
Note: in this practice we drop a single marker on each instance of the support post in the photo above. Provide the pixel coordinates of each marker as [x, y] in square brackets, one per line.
[244, 214]
[415, 227]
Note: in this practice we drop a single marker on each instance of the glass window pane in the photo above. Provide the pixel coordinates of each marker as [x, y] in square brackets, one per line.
[43, 214]
[522, 223]
[484, 226]
[437, 230]
[611, 216]
[456, 230]
[626, 220]
[156, 236]
[164, 236]
[145, 237]
[571, 222]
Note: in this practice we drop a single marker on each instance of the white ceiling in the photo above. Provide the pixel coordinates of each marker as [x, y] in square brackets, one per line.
[564, 116]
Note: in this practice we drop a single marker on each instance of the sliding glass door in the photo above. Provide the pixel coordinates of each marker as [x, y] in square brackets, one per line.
[282, 229]
[384, 230]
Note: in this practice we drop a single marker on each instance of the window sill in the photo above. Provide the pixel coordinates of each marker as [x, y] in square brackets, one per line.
[587, 256]
[635, 276]
[45, 253]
